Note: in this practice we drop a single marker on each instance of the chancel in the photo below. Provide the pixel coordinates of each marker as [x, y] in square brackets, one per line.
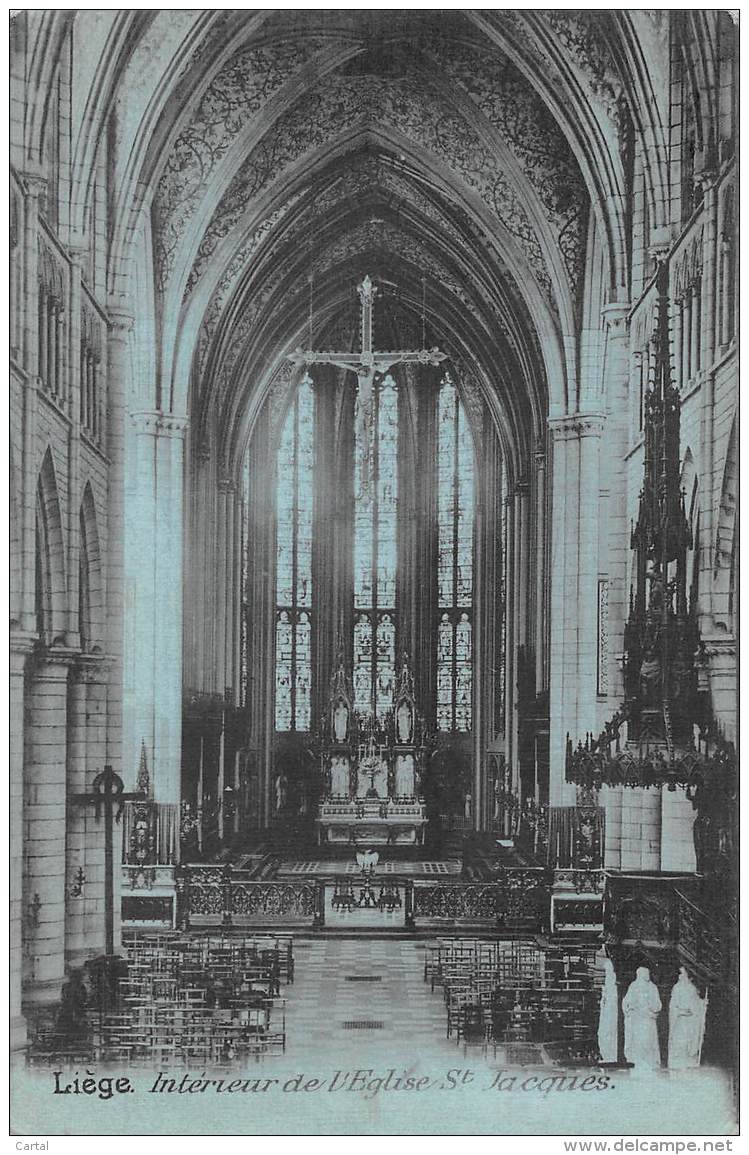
[371, 769]
[373, 495]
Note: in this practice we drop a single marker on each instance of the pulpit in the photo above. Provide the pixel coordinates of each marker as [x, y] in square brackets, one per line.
[371, 770]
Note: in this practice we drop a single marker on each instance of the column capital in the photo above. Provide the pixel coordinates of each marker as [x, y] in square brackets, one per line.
[78, 253]
[91, 668]
[33, 182]
[616, 314]
[576, 425]
[121, 320]
[21, 647]
[660, 243]
[52, 663]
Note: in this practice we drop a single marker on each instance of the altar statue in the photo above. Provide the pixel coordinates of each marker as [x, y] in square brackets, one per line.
[404, 776]
[340, 721]
[608, 1016]
[339, 776]
[641, 1006]
[404, 722]
[686, 1024]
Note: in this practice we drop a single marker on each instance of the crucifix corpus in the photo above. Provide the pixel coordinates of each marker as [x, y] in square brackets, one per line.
[107, 790]
[367, 364]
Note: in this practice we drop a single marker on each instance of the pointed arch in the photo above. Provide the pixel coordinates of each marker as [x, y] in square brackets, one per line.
[90, 580]
[50, 555]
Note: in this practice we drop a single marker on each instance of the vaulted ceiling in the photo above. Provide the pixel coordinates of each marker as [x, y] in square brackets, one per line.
[458, 157]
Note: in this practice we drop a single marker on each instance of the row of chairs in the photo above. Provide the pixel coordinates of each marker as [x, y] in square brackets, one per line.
[527, 999]
[176, 1033]
[175, 952]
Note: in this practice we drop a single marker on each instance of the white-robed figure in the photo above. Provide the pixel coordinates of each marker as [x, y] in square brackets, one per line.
[608, 1016]
[641, 1006]
[339, 776]
[686, 1024]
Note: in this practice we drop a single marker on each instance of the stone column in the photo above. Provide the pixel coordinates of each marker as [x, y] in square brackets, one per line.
[75, 409]
[220, 591]
[677, 831]
[119, 377]
[720, 652]
[641, 829]
[84, 924]
[542, 591]
[153, 712]
[168, 599]
[44, 825]
[34, 186]
[521, 535]
[21, 645]
[574, 571]
[615, 526]
[611, 800]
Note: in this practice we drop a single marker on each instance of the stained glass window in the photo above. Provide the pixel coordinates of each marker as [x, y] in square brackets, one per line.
[375, 552]
[455, 517]
[294, 563]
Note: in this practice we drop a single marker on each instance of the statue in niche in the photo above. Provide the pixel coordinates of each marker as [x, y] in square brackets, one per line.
[608, 1016]
[340, 721]
[404, 722]
[282, 783]
[339, 776]
[686, 1024]
[641, 1006]
[405, 785]
[650, 678]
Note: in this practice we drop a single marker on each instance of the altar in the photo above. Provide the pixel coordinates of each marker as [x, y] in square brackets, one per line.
[371, 770]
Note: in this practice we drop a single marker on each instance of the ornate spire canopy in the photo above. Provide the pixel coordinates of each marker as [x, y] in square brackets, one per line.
[669, 736]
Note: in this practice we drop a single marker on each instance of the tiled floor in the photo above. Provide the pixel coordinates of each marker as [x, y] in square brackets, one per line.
[323, 998]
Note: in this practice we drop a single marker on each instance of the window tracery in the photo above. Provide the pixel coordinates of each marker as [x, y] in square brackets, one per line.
[294, 500]
[455, 517]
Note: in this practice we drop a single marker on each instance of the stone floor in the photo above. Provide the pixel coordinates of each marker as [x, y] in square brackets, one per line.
[375, 983]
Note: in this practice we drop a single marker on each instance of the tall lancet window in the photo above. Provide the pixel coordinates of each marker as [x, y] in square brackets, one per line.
[455, 514]
[375, 552]
[294, 563]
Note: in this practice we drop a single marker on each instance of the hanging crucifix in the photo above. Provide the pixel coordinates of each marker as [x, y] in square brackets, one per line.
[107, 790]
[367, 364]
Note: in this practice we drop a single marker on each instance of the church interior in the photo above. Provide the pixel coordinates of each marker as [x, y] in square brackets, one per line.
[373, 546]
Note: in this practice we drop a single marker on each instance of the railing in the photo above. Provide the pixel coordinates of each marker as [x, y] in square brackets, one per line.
[704, 943]
[641, 909]
[224, 896]
[517, 899]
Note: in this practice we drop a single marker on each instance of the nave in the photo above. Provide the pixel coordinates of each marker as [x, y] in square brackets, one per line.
[374, 471]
